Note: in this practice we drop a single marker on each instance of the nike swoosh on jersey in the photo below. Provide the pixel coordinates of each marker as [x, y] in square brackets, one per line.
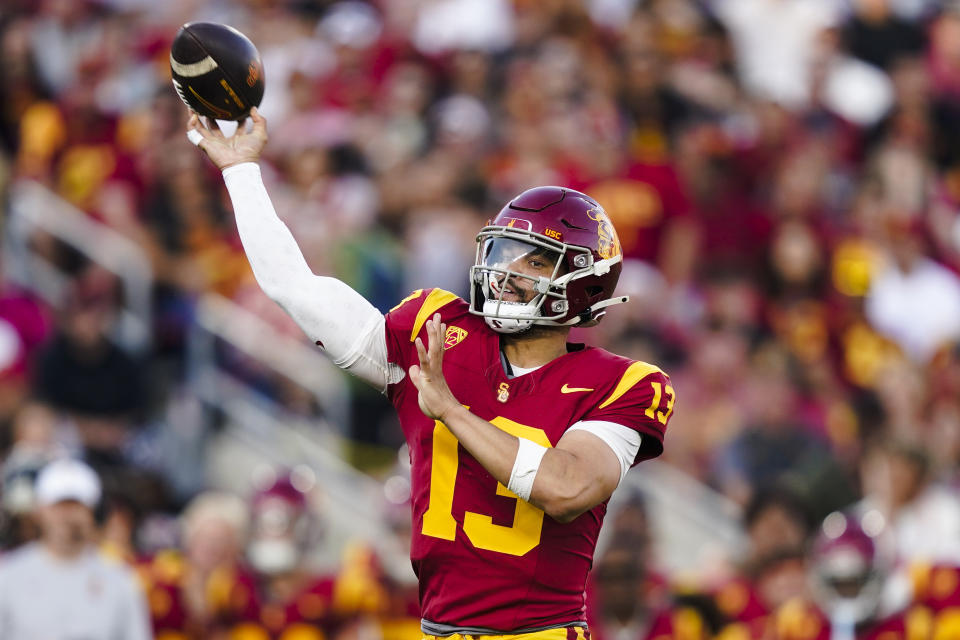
[566, 389]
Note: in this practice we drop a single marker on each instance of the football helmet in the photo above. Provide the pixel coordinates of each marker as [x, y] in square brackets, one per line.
[576, 257]
[282, 527]
[847, 567]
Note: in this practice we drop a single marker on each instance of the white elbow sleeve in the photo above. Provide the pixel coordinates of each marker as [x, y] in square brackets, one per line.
[525, 467]
[366, 358]
[624, 442]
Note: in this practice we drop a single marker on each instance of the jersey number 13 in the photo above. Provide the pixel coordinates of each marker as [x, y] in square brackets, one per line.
[438, 521]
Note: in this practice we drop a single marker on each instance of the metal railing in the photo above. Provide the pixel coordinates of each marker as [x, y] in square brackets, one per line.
[33, 209]
[217, 318]
[693, 527]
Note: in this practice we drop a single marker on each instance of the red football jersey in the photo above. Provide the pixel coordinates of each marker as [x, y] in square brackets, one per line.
[486, 559]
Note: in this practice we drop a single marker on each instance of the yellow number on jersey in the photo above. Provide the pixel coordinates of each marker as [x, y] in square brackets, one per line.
[658, 390]
[438, 521]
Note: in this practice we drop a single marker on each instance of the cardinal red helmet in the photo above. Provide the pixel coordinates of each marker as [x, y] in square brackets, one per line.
[847, 565]
[568, 229]
[283, 526]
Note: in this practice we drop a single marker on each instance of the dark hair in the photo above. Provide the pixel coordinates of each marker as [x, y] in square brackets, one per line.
[782, 497]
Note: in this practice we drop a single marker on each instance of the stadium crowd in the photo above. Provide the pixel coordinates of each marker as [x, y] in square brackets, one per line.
[784, 176]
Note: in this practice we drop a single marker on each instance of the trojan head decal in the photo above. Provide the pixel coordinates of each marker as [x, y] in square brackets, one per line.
[608, 244]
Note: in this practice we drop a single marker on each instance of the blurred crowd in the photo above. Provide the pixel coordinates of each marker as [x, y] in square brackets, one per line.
[784, 176]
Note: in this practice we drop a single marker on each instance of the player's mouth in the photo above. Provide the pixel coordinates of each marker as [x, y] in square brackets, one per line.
[511, 292]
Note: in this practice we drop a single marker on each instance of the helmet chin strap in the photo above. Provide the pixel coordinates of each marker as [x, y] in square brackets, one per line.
[609, 302]
[603, 304]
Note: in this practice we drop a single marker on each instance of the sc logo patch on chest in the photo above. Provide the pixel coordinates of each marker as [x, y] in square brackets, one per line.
[453, 337]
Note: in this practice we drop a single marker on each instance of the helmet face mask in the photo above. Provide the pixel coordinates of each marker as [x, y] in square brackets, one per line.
[522, 279]
[526, 274]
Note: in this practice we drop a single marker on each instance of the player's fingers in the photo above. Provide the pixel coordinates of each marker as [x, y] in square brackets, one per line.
[432, 335]
[214, 127]
[195, 131]
[259, 123]
[438, 331]
[415, 375]
[196, 124]
[422, 352]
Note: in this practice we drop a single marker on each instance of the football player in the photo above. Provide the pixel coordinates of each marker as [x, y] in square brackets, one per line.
[848, 574]
[517, 438]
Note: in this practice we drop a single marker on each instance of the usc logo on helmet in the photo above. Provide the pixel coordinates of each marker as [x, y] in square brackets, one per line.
[608, 245]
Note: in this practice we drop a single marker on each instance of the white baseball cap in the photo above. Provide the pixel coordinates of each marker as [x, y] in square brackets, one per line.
[67, 480]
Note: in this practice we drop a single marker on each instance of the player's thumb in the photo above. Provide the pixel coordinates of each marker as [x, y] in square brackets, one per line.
[259, 122]
[415, 375]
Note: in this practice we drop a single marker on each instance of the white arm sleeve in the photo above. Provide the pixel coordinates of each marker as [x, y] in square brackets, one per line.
[333, 315]
[624, 441]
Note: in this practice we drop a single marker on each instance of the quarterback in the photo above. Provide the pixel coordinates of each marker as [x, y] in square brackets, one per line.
[517, 438]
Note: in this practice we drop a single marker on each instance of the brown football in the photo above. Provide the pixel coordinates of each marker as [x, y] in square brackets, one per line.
[216, 70]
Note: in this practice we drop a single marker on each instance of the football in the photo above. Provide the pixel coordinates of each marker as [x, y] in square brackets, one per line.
[216, 70]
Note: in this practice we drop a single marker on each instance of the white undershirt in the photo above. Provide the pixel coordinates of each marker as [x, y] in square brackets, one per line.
[350, 329]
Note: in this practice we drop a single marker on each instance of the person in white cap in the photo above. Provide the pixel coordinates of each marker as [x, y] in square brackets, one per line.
[61, 588]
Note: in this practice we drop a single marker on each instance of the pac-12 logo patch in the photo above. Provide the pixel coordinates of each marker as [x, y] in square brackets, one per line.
[453, 337]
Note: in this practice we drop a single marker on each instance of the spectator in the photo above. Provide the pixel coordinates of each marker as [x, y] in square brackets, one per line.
[60, 587]
[776, 518]
[774, 441]
[921, 518]
[83, 374]
[908, 283]
[774, 43]
[875, 34]
[205, 591]
[622, 610]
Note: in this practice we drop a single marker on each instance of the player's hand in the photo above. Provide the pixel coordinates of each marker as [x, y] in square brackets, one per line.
[436, 399]
[242, 146]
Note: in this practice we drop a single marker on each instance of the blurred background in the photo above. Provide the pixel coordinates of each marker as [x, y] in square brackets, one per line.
[784, 176]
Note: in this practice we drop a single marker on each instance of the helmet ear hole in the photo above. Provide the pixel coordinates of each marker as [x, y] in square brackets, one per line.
[594, 291]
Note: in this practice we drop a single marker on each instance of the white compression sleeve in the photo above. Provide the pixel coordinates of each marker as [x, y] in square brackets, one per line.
[349, 328]
[624, 441]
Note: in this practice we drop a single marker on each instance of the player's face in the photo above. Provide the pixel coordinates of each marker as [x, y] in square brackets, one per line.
[520, 258]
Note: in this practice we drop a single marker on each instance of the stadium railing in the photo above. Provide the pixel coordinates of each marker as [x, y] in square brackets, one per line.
[34, 209]
[695, 530]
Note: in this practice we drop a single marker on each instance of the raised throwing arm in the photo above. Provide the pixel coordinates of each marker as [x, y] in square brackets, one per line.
[333, 315]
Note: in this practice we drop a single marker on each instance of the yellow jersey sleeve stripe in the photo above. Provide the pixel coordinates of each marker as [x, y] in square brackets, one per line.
[634, 374]
[412, 296]
[436, 299]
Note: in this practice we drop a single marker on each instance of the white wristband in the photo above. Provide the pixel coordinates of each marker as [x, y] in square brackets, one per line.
[525, 467]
